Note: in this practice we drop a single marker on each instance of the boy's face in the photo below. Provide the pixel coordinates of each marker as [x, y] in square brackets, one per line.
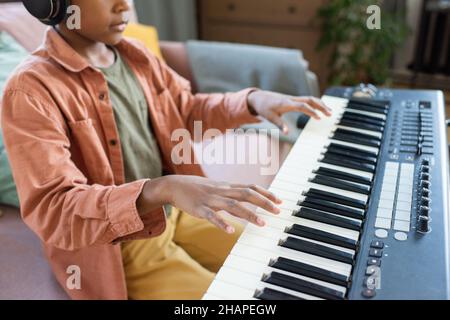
[103, 20]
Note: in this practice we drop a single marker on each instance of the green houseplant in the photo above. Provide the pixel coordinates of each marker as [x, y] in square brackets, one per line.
[359, 54]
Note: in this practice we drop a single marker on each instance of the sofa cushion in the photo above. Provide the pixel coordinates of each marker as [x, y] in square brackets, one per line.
[11, 54]
[147, 35]
[25, 272]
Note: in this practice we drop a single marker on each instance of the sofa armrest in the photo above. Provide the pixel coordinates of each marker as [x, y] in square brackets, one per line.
[176, 56]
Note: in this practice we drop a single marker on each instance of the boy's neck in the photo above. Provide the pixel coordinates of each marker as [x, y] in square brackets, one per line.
[97, 53]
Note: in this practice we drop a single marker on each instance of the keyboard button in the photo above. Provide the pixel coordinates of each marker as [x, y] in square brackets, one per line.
[374, 262]
[375, 253]
[383, 223]
[377, 244]
[381, 233]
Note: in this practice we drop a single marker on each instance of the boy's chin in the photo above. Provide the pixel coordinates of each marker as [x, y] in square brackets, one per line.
[113, 39]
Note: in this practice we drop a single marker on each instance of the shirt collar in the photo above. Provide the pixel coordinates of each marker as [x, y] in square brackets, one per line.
[59, 50]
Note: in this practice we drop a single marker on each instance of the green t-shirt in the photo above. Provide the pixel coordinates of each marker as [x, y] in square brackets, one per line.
[141, 154]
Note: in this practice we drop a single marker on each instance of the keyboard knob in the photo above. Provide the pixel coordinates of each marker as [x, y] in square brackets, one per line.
[426, 193]
[425, 169]
[424, 211]
[426, 162]
[425, 184]
[425, 176]
[425, 202]
[423, 224]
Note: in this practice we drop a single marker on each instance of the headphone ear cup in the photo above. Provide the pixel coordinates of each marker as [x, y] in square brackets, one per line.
[50, 12]
[61, 13]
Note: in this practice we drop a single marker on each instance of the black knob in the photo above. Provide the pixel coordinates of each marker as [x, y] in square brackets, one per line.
[425, 162]
[425, 184]
[424, 211]
[425, 169]
[426, 193]
[425, 176]
[425, 202]
[423, 225]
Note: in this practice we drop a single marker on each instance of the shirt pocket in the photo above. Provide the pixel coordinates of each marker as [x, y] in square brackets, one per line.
[97, 167]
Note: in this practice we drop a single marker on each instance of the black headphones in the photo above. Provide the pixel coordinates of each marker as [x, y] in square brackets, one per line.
[50, 12]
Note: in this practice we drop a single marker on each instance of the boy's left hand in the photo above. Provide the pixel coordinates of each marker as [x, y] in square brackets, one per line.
[272, 106]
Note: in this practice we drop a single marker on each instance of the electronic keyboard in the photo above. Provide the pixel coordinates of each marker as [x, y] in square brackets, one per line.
[365, 211]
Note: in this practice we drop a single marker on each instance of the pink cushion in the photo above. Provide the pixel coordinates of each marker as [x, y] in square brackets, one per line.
[29, 32]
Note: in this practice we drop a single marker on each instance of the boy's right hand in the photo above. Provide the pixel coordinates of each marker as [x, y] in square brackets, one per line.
[203, 198]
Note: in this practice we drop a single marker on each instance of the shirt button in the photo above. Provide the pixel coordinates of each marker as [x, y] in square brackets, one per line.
[102, 96]
[113, 142]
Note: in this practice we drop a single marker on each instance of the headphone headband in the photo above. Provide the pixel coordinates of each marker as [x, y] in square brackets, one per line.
[50, 12]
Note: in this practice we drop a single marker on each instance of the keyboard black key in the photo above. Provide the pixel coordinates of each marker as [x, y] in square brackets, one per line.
[359, 125]
[307, 270]
[348, 164]
[300, 285]
[352, 155]
[353, 150]
[375, 103]
[271, 294]
[337, 155]
[363, 118]
[361, 107]
[324, 217]
[343, 176]
[356, 140]
[333, 197]
[331, 207]
[339, 184]
[322, 236]
[316, 249]
[357, 134]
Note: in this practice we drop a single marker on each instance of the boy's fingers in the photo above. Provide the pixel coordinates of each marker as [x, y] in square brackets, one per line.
[315, 103]
[305, 108]
[266, 193]
[216, 220]
[253, 197]
[237, 209]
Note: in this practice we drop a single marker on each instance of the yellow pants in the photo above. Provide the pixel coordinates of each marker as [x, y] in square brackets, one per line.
[179, 264]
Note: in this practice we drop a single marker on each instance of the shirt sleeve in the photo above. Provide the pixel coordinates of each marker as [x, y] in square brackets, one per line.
[57, 202]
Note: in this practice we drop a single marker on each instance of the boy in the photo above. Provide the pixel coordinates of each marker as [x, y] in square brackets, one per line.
[87, 121]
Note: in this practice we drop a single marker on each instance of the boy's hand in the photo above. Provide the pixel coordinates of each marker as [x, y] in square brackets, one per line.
[203, 198]
[272, 106]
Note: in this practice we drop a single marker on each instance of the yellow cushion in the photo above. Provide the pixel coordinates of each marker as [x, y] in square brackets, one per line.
[147, 34]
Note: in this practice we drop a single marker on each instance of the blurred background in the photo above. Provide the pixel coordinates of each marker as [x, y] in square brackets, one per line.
[412, 48]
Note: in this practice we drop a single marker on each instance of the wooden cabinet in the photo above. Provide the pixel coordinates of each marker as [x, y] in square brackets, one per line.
[278, 23]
